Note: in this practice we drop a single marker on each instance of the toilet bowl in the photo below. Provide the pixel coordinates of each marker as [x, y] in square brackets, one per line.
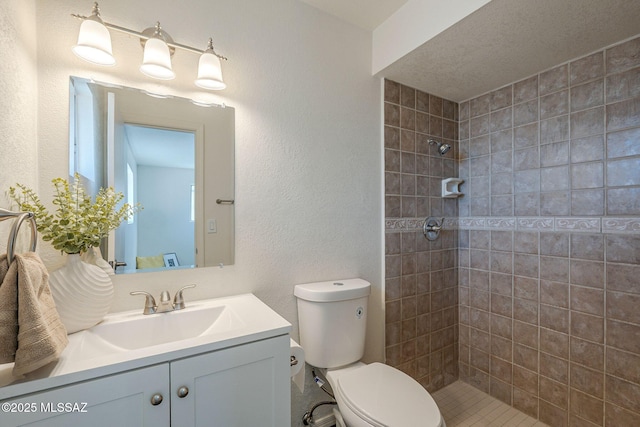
[332, 319]
[377, 395]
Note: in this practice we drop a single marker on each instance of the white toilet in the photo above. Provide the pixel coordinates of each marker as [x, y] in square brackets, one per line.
[333, 318]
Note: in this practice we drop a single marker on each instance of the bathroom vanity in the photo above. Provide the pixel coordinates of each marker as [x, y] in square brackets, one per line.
[220, 362]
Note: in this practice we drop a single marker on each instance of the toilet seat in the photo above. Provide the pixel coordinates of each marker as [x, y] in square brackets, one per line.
[384, 396]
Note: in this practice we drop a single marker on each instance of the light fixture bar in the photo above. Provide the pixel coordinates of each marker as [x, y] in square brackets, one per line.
[146, 37]
[94, 45]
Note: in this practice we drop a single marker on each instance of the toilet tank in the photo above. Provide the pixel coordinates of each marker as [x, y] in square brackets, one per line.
[332, 318]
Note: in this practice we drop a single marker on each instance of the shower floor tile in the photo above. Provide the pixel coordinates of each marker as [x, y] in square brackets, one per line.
[462, 405]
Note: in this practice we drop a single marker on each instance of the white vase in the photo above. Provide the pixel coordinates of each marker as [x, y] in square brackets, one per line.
[83, 293]
[94, 256]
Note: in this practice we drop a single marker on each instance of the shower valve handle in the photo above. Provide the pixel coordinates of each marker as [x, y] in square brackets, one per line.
[432, 227]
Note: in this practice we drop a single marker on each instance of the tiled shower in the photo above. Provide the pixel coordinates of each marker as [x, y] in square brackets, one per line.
[421, 276]
[531, 294]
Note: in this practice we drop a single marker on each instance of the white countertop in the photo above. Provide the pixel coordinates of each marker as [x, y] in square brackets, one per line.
[88, 357]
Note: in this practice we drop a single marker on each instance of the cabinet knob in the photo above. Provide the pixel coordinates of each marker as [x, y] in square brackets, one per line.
[156, 399]
[183, 391]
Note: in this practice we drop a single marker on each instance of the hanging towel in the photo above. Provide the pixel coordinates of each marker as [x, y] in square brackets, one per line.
[41, 336]
[8, 313]
[4, 266]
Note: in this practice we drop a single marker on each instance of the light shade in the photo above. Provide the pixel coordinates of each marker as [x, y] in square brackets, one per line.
[94, 43]
[156, 61]
[210, 72]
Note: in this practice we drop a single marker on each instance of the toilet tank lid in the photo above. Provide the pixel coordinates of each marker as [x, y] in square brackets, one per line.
[334, 290]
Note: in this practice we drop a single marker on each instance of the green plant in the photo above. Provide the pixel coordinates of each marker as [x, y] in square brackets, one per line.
[77, 224]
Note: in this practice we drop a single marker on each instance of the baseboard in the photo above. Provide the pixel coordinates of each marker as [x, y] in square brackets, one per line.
[326, 421]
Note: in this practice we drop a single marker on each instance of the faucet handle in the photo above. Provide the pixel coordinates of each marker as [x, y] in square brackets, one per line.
[178, 301]
[431, 228]
[150, 305]
[164, 297]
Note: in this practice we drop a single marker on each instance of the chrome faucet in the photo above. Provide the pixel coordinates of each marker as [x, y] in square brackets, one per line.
[150, 306]
[165, 303]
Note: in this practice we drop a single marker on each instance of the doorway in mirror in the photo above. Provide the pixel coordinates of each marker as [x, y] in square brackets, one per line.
[158, 167]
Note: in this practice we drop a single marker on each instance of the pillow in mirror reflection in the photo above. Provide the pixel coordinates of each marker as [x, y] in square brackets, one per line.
[149, 262]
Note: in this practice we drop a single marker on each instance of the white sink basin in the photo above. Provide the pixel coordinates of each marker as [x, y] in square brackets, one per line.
[129, 340]
[132, 331]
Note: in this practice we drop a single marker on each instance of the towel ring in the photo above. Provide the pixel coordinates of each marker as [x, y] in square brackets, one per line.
[13, 234]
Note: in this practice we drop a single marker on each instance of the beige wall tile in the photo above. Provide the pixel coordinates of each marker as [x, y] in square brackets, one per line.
[586, 407]
[535, 308]
[625, 336]
[587, 353]
[617, 416]
[623, 393]
[552, 415]
[553, 80]
[588, 327]
[587, 381]
[587, 68]
[623, 364]
[623, 56]
[525, 402]
[623, 307]
[554, 392]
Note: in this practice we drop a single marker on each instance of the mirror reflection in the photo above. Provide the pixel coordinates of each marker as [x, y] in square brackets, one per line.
[173, 157]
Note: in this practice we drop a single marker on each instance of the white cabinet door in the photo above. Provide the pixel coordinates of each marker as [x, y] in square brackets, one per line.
[247, 385]
[121, 400]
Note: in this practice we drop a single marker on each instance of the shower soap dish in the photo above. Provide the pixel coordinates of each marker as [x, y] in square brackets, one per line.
[451, 188]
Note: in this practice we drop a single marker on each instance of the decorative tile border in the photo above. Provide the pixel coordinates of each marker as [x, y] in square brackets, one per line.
[588, 225]
[559, 224]
[394, 224]
[471, 223]
[414, 224]
[621, 225]
[501, 223]
[536, 224]
[450, 223]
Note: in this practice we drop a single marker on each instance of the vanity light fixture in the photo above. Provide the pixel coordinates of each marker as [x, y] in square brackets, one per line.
[156, 60]
[94, 45]
[94, 40]
[209, 70]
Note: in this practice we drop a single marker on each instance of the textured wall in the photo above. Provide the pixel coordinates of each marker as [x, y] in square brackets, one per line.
[421, 276]
[18, 97]
[308, 153]
[549, 241]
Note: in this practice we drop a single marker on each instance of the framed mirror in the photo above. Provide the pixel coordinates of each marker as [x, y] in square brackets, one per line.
[170, 155]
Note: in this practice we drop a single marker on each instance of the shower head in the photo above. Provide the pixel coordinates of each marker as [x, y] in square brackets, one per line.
[442, 148]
